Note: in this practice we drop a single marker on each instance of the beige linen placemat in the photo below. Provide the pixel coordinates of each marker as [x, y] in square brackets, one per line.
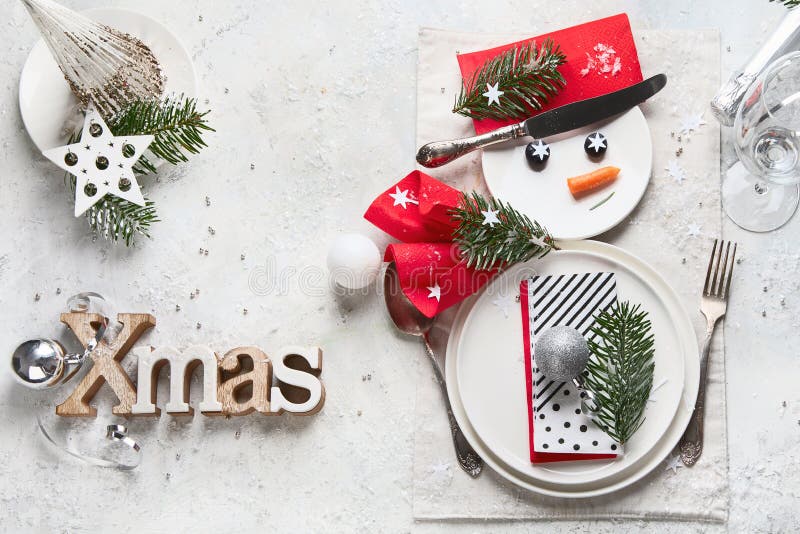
[671, 229]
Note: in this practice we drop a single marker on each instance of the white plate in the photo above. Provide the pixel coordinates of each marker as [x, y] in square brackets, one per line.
[543, 194]
[489, 399]
[45, 100]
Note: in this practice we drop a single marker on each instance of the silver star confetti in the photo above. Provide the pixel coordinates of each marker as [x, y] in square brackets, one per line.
[674, 463]
[675, 171]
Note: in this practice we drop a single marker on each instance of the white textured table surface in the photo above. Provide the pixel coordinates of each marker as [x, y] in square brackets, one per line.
[296, 90]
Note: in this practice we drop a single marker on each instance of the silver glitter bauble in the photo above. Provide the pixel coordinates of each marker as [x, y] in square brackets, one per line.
[561, 353]
[39, 363]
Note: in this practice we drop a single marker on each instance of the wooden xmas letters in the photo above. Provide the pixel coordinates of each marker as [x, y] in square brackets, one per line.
[239, 383]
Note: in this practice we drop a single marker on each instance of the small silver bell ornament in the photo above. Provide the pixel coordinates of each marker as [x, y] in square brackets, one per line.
[561, 354]
[44, 363]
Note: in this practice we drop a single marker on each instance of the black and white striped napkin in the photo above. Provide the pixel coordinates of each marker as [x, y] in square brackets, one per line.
[571, 300]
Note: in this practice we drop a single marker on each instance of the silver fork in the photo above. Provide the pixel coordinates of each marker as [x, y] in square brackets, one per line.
[713, 304]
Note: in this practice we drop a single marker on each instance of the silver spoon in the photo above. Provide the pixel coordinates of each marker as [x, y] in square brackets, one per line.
[409, 320]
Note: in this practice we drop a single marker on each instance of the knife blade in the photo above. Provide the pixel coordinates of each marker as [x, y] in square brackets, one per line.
[555, 121]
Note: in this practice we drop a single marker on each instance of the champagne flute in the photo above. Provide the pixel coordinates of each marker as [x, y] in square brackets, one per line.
[760, 193]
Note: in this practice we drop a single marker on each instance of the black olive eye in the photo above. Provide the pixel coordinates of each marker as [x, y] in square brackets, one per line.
[537, 152]
[596, 144]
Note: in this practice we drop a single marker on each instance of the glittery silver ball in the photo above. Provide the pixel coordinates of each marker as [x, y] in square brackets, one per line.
[561, 353]
[38, 363]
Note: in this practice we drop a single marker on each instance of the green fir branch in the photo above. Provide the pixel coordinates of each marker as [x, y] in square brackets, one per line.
[788, 3]
[115, 219]
[118, 220]
[485, 246]
[176, 124]
[528, 77]
[620, 372]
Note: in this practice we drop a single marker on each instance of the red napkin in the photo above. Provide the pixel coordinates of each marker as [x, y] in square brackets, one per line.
[429, 267]
[601, 58]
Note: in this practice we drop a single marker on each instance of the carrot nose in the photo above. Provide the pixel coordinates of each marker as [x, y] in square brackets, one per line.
[584, 184]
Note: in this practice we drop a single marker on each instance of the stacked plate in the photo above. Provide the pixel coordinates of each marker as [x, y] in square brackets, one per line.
[485, 371]
[45, 100]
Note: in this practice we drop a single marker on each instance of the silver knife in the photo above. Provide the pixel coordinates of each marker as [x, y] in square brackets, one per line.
[554, 121]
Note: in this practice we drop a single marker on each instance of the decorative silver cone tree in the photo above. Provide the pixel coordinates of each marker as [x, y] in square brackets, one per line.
[100, 63]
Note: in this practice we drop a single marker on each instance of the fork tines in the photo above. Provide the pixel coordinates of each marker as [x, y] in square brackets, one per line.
[718, 282]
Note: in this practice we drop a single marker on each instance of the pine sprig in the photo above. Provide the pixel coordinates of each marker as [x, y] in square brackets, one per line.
[116, 219]
[528, 77]
[175, 123]
[620, 371]
[788, 3]
[515, 238]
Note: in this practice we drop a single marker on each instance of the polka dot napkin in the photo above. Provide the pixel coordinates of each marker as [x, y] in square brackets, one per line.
[563, 431]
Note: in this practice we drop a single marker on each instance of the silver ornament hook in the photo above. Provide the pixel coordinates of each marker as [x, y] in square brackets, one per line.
[44, 363]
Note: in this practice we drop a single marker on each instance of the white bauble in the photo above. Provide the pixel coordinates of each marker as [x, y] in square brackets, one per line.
[353, 261]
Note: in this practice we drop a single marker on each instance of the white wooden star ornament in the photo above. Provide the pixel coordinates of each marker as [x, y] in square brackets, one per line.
[101, 163]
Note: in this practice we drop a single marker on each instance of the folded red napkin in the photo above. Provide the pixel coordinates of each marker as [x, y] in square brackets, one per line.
[601, 58]
[429, 267]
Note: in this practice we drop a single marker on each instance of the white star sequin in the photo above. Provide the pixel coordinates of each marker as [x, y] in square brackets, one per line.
[493, 94]
[656, 388]
[401, 197]
[490, 217]
[538, 242]
[435, 292]
[505, 303]
[440, 467]
[596, 142]
[694, 230]
[675, 171]
[101, 163]
[691, 123]
[540, 150]
[674, 463]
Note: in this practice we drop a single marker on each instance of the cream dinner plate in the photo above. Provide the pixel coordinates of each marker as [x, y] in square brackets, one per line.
[543, 194]
[485, 373]
[45, 100]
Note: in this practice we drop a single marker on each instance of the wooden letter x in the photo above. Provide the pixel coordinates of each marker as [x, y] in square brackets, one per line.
[105, 362]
